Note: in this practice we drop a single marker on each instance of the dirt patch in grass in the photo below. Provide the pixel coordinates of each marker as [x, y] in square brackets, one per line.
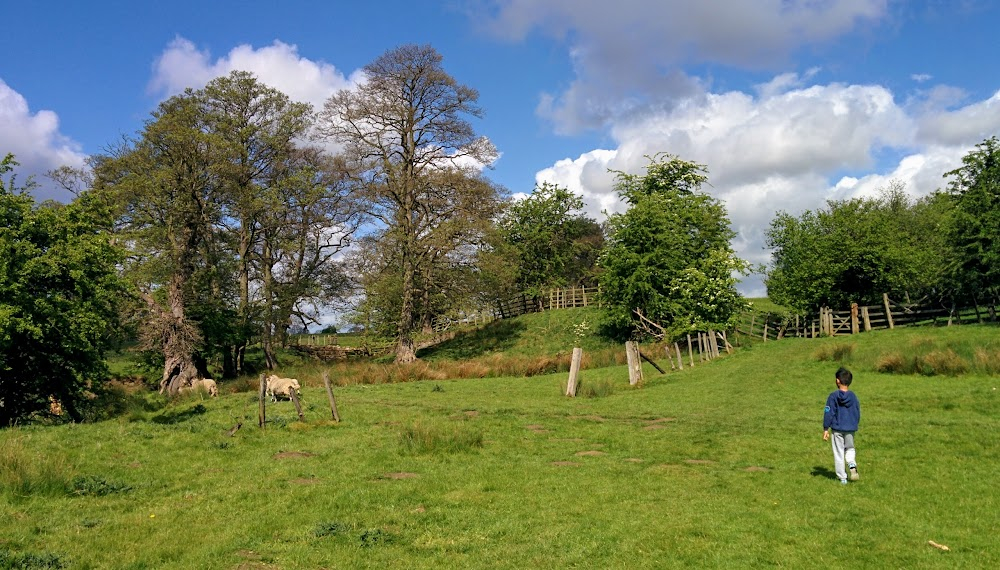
[293, 454]
[699, 461]
[536, 428]
[597, 419]
[757, 469]
[660, 421]
[633, 460]
[566, 464]
[591, 453]
[307, 481]
[399, 475]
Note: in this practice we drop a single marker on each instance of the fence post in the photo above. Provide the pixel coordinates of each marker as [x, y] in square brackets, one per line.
[854, 318]
[329, 395]
[295, 400]
[866, 319]
[263, 398]
[690, 353]
[888, 311]
[680, 356]
[634, 363]
[574, 372]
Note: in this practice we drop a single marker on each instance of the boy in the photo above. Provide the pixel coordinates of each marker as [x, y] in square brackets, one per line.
[841, 416]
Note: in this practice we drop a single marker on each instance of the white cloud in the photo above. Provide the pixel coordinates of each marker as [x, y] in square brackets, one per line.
[279, 65]
[791, 147]
[36, 142]
[627, 53]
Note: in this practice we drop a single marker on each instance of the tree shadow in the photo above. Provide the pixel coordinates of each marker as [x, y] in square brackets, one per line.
[823, 472]
[178, 416]
[497, 336]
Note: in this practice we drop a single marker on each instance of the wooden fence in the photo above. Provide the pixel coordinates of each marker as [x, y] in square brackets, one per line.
[858, 319]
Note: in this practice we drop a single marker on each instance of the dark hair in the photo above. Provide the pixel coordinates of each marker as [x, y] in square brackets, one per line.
[844, 376]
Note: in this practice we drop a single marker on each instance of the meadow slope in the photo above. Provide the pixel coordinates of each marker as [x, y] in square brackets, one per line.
[719, 466]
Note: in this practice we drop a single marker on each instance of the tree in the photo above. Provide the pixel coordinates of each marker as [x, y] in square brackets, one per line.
[553, 243]
[59, 294]
[854, 251]
[668, 255]
[404, 124]
[167, 199]
[974, 231]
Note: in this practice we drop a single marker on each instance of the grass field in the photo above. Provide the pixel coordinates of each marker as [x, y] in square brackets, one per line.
[720, 466]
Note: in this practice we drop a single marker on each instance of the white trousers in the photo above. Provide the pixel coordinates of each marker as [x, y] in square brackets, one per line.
[843, 452]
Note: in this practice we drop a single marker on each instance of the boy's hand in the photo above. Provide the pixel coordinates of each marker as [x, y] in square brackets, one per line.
[826, 434]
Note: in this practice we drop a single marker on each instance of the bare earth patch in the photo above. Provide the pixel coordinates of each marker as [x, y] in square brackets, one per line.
[588, 418]
[757, 468]
[399, 475]
[660, 420]
[536, 428]
[293, 454]
[306, 481]
[566, 464]
[633, 460]
[471, 413]
[699, 461]
[591, 453]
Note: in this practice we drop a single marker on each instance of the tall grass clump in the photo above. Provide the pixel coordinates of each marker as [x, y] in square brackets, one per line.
[939, 362]
[597, 389]
[428, 438]
[834, 353]
[987, 360]
[25, 473]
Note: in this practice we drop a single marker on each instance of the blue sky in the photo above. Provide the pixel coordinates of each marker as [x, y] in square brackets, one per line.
[788, 102]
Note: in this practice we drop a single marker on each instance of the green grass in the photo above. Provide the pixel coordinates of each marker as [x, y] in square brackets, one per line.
[719, 466]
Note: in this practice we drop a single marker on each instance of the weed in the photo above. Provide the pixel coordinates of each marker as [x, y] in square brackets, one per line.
[945, 362]
[422, 438]
[94, 486]
[834, 353]
[332, 528]
[29, 560]
[376, 537]
[598, 389]
[987, 360]
[23, 473]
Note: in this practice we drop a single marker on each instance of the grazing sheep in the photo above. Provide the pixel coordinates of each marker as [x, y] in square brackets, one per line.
[281, 387]
[206, 384]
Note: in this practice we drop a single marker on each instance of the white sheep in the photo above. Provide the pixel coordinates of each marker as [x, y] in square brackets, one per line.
[206, 384]
[277, 386]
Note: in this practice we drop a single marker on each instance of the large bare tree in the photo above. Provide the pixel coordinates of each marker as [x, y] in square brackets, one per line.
[404, 124]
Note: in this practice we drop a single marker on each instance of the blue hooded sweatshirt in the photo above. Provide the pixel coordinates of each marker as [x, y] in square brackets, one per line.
[842, 412]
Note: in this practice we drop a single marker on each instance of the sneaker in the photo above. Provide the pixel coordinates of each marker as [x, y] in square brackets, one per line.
[854, 473]
[843, 481]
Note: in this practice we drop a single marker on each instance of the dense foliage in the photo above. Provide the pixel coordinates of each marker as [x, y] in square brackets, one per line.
[552, 244]
[854, 251]
[975, 230]
[59, 292]
[669, 255]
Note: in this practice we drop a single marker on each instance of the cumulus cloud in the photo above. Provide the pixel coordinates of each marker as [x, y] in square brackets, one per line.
[35, 140]
[791, 147]
[279, 65]
[627, 53]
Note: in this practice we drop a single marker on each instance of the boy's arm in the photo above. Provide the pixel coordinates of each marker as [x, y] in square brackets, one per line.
[828, 416]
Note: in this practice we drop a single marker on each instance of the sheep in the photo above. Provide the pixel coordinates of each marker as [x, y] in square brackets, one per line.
[281, 387]
[206, 384]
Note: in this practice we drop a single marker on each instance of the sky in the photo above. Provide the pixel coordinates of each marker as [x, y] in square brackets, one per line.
[788, 103]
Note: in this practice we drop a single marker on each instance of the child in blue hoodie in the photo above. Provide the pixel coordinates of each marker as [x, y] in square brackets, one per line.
[841, 416]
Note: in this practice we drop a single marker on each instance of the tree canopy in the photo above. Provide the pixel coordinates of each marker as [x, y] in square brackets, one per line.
[668, 256]
[59, 300]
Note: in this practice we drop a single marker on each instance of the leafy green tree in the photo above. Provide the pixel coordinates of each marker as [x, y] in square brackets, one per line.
[401, 128]
[974, 232]
[668, 256]
[553, 244]
[854, 251]
[59, 294]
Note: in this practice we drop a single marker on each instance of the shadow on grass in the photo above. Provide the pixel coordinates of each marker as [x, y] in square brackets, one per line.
[823, 472]
[178, 416]
[498, 336]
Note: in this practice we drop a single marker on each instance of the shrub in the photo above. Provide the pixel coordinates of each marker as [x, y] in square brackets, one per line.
[892, 363]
